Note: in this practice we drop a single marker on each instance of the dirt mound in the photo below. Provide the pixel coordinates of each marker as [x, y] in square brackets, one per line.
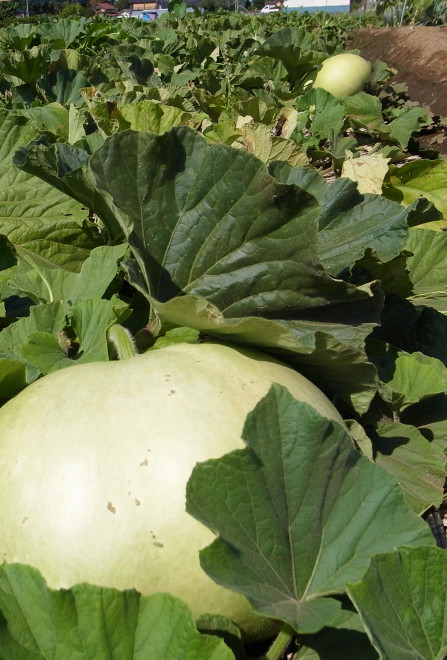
[418, 53]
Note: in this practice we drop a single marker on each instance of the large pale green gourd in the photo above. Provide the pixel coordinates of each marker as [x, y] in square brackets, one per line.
[344, 74]
[94, 461]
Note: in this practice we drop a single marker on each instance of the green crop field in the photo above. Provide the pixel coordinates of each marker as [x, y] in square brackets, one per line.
[223, 344]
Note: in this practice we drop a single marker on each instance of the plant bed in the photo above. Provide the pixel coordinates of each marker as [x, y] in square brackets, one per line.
[175, 184]
[417, 55]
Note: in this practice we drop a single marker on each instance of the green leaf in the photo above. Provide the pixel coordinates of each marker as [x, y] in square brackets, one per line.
[48, 319]
[375, 223]
[42, 318]
[89, 321]
[12, 377]
[408, 121]
[295, 48]
[327, 113]
[95, 623]
[52, 117]
[64, 87]
[44, 351]
[177, 7]
[415, 377]
[418, 178]
[65, 169]
[401, 600]
[350, 223]
[63, 32]
[418, 465]
[303, 177]
[226, 630]
[240, 255]
[27, 65]
[176, 336]
[258, 140]
[361, 440]
[46, 284]
[76, 120]
[364, 111]
[63, 242]
[299, 513]
[251, 251]
[148, 115]
[26, 199]
[427, 267]
[19, 37]
[430, 416]
[38, 344]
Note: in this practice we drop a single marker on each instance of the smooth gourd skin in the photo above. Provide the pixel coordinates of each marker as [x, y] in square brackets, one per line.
[94, 461]
[344, 74]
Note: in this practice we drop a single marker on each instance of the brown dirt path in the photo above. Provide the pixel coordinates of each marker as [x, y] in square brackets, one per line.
[418, 53]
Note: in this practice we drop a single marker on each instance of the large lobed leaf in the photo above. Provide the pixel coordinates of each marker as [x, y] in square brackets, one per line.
[213, 227]
[428, 267]
[418, 464]
[349, 223]
[95, 623]
[34, 215]
[42, 283]
[210, 221]
[202, 220]
[38, 344]
[299, 513]
[418, 178]
[401, 600]
[296, 48]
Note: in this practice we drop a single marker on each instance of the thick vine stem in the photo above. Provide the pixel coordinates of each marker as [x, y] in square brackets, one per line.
[281, 644]
[122, 342]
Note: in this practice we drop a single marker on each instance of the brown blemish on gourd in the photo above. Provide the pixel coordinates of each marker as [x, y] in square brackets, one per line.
[154, 541]
[110, 507]
[144, 463]
[137, 502]
[172, 392]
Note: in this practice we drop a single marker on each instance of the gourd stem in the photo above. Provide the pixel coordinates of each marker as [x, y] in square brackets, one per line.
[281, 643]
[122, 342]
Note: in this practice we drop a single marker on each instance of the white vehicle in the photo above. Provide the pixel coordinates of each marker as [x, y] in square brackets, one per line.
[269, 8]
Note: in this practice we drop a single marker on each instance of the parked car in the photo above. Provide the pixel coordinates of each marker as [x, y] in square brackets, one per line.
[268, 9]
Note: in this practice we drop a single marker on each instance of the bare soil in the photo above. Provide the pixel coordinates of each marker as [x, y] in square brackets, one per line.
[418, 54]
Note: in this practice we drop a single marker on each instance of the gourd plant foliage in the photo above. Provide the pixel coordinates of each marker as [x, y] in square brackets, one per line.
[176, 235]
[210, 238]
